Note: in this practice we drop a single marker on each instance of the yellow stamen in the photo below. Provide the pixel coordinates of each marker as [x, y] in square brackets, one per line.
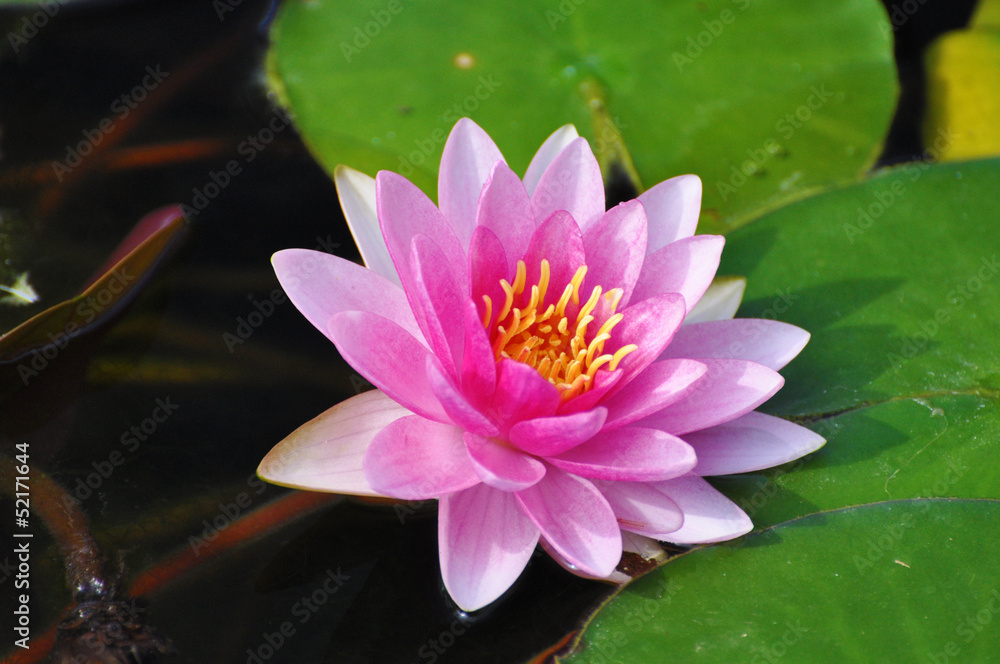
[551, 339]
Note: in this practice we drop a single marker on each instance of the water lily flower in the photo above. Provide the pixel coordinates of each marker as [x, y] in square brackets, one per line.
[547, 370]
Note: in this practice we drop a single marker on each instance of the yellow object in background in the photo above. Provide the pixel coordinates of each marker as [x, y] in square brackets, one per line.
[963, 89]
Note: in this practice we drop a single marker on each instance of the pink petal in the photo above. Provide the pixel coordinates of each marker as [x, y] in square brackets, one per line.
[416, 459]
[469, 156]
[454, 403]
[389, 357]
[522, 394]
[321, 285]
[686, 267]
[630, 454]
[404, 211]
[708, 515]
[650, 325]
[751, 442]
[357, 199]
[759, 340]
[326, 453]
[505, 209]
[439, 295]
[604, 383]
[615, 246]
[719, 302]
[575, 520]
[553, 145]
[672, 209]
[501, 466]
[729, 389]
[487, 266]
[546, 436]
[479, 368]
[658, 386]
[572, 182]
[485, 544]
[642, 509]
[557, 240]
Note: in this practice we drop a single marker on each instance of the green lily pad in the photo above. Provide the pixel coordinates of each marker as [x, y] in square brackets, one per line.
[908, 581]
[896, 281]
[894, 278]
[765, 100]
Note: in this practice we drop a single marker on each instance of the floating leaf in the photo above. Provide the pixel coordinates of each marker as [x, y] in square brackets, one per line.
[909, 581]
[765, 100]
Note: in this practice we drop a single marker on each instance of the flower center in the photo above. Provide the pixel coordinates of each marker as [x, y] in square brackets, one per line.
[551, 338]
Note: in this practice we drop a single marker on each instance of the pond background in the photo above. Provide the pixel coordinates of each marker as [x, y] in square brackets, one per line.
[234, 400]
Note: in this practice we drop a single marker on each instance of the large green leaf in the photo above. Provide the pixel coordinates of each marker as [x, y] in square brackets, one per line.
[795, 96]
[908, 581]
[895, 280]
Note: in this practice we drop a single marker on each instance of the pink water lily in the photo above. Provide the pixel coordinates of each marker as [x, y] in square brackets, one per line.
[547, 370]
